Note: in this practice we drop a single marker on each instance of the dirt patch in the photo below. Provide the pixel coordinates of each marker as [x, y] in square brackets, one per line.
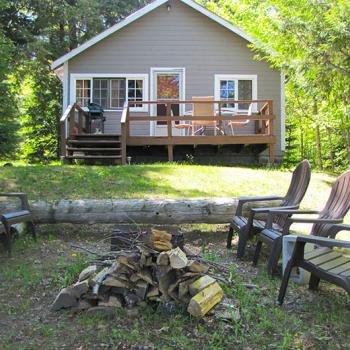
[30, 280]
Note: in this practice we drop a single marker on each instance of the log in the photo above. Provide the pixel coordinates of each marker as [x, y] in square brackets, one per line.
[196, 266]
[177, 258]
[205, 300]
[159, 240]
[200, 284]
[143, 211]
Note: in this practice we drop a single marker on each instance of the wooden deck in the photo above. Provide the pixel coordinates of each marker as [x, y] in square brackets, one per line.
[77, 145]
[263, 119]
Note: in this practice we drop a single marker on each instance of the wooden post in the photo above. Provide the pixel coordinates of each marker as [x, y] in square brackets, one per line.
[170, 133]
[63, 141]
[271, 145]
[124, 130]
[80, 121]
[71, 121]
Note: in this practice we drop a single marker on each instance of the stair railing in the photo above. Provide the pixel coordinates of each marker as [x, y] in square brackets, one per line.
[70, 126]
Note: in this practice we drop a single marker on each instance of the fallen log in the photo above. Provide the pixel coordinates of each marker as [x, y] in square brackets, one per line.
[143, 211]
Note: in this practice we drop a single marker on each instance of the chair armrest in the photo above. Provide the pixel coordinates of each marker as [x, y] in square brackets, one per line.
[314, 221]
[323, 241]
[22, 196]
[244, 200]
[273, 209]
[332, 232]
[292, 212]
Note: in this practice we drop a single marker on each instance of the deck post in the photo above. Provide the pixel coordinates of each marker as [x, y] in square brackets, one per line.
[271, 145]
[170, 133]
[63, 140]
[124, 130]
[71, 121]
[80, 121]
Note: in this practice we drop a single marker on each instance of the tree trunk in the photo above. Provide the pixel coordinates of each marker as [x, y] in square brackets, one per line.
[318, 138]
[330, 144]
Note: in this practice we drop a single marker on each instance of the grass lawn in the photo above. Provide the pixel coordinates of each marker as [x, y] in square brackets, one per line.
[53, 182]
[30, 280]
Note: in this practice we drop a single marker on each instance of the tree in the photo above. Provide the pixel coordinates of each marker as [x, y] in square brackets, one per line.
[308, 40]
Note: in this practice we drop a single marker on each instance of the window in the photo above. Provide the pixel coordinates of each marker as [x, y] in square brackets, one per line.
[110, 92]
[100, 92]
[236, 87]
[135, 91]
[117, 93]
[83, 92]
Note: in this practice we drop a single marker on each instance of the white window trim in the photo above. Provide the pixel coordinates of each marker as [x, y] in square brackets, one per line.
[128, 76]
[236, 77]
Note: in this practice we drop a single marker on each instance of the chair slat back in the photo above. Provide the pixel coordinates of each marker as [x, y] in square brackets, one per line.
[297, 188]
[337, 205]
[203, 109]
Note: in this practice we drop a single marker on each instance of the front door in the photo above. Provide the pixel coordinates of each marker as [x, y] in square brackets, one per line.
[167, 85]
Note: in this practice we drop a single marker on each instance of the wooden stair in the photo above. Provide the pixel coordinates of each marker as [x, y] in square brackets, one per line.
[95, 147]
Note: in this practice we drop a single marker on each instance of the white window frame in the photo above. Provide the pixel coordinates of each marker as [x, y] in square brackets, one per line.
[127, 76]
[236, 77]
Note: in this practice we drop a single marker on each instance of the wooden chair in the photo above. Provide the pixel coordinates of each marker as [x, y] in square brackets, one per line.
[323, 262]
[7, 231]
[247, 227]
[337, 205]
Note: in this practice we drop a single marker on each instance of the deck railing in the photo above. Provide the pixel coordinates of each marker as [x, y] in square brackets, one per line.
[68, 125]
[263, 118]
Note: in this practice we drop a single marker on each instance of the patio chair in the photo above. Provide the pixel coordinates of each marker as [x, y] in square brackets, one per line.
[204, 110]
[337, 205]
[7, 220]
[323, 262]
[249, 226]
[242, 123]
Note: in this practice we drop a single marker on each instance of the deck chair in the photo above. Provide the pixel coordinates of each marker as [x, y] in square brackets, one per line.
[204, 110]
[248, 227]
[7, 220]
[337, 205]
[241, 124]
[323, 261]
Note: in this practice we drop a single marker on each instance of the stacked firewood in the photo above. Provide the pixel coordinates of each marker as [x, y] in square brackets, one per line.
[151, 267]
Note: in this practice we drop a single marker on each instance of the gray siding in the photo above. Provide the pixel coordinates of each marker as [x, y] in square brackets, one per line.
[179, 38]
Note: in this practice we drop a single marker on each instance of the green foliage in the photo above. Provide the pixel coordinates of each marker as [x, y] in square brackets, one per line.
[8, 109]
[40, 114]
[33, 33]
[309, 41]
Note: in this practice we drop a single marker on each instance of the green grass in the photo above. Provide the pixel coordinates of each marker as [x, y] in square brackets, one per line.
[54, 182]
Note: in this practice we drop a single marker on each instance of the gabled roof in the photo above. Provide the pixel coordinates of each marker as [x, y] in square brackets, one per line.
[141, 12]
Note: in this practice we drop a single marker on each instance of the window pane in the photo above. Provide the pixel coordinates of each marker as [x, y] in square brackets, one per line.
[139, 93]
[117, 93]
[82, 92]
[135, 91]
[245, 92]
[168, 86]
[231, 84]
[223, 84]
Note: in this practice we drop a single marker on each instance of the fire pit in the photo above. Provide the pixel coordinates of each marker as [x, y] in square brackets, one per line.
[152, 267]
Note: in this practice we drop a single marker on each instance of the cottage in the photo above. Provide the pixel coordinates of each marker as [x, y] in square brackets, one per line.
[148, 69]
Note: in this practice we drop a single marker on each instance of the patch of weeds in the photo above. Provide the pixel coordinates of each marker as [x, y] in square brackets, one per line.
[68, 272]
[24, 275]
[46, 330]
